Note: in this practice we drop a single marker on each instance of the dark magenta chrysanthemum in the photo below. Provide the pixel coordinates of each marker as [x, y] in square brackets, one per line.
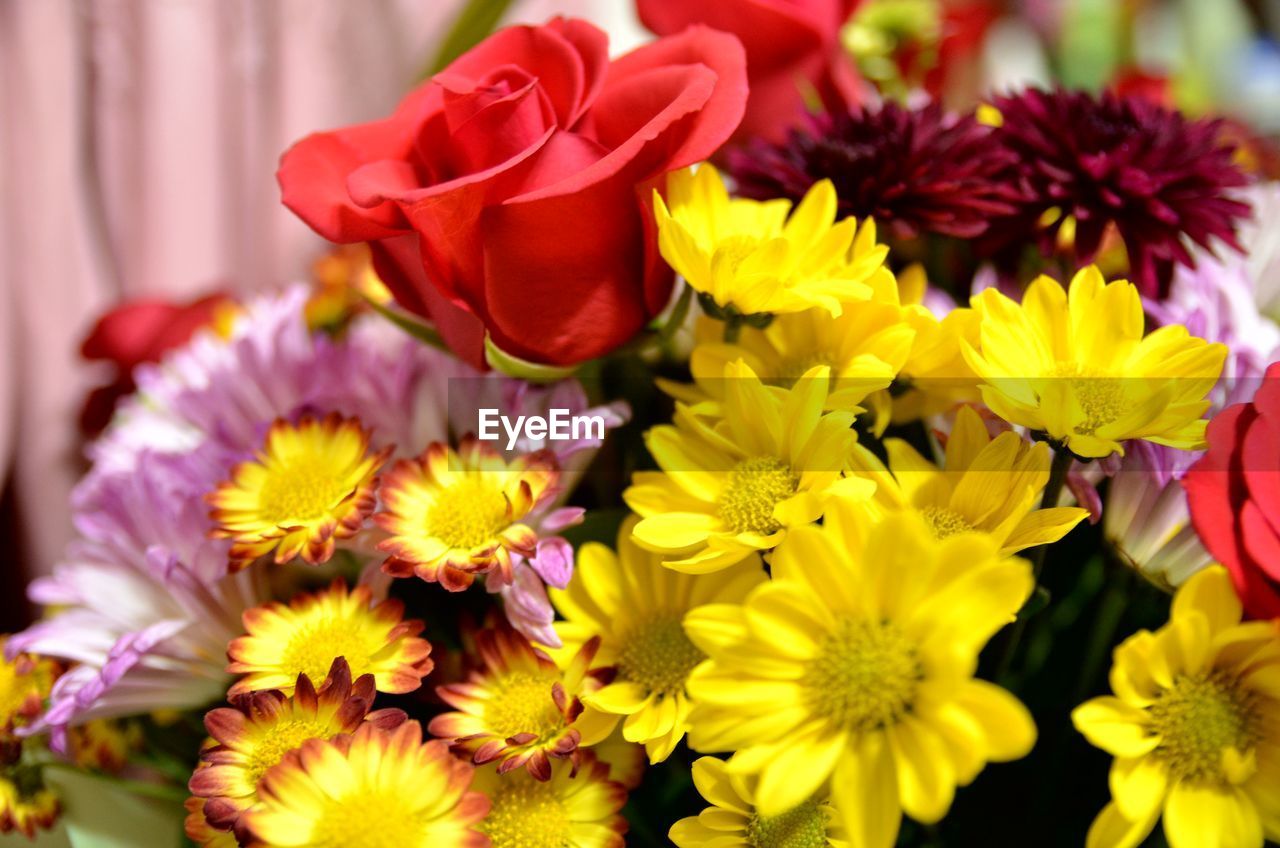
[914, 170]
[1155, 174]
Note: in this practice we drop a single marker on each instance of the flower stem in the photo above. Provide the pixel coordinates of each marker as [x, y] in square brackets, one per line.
[732, 328]
[1058, 470]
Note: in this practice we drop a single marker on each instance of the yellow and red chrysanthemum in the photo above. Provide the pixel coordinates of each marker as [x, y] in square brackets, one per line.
[103, 744]
[520, 709]
[26, 804]
[986, 485]
[453, 515]
[373, 787]
[25, 682]
[260, 728]
[311, 484]
[852, 669]
[199, 830]
[308, 634]
[635, 607]
[578, 806]
[1192, 726]
[732, 486]
[733, 822]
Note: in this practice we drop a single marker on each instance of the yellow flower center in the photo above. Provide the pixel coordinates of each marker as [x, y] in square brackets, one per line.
[295, 493]
[312, 649]
[864, 676]
[658, 655]
[803, 827]
[279, 739]
[945, 522]
[1100, 397]
[14, 690]
[468, 514]
[1198, 719]
[527, 814]
[523, 704]
[370, 819]
[755, 486]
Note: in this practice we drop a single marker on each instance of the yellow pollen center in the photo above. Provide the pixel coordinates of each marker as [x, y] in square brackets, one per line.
[658, 655]
[1101, 398]
[527, 814]
[370, 819]
[755, 486]
[803, 827]
[279, 739]
[1198, 719]
[523, 704]
[468, 514]
[864, 676]
[945, 522]
[312, 649]
[295, 493]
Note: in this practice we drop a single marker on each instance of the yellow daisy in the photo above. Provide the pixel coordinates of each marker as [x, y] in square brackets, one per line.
[260, 728]
[26, 805]
[454, 515]
[520, 709]
[312, 484]
[308, 634]
[865, 347]
[1194, 725]
[747, 257]
[635, 607]
[372, 788]
[575, 808]
[736, 485]
[853, 668]
[991, 486]
[733, 822]
[1077, 367]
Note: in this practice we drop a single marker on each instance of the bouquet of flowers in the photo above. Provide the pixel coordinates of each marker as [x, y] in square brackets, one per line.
[712, 445]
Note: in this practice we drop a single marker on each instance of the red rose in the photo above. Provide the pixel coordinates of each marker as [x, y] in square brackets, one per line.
[793, 49]
[509, 195]
[133, 333]
[1234, 495]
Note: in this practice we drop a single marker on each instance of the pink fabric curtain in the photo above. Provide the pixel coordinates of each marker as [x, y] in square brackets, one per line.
[138, 144]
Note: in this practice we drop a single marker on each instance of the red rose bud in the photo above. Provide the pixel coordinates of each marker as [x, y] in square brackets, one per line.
[508, 196]
[793, 53]
[133, 333]
[1234, 495]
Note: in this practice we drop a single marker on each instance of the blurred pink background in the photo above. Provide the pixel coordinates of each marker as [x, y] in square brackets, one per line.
[138, 146]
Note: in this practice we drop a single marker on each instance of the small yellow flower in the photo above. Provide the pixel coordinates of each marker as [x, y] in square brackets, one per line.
[1194, 725]
[103, 744]
[453, 516]
[734, 486]
[636, 607]
[990, 486]
[26, 805]
[308, 634]
[733, 822]
[1077, 367]
[260, 728]
[312, 484]
[520, 709]
[578, 808]
[853, 669]
[749, 258]
[865, 347]
[373, 787]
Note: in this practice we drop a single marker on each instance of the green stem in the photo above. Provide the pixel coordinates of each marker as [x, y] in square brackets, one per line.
[679, 313]
[1111, 610]
[732, 328]
[1058, 470]
[160, 792]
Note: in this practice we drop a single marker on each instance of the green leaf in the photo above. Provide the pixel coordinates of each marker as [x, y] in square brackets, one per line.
[474, 25]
